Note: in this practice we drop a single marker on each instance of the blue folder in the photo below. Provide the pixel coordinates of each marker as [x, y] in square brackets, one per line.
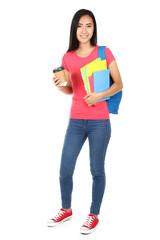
[101, 82]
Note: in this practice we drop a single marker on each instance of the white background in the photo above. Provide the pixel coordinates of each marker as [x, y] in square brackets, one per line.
[34, 116]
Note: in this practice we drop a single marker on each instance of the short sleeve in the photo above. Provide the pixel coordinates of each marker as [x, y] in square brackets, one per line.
[109, 56]
[64, 62]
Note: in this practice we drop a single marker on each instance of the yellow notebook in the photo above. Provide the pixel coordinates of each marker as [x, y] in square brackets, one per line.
[96, 66]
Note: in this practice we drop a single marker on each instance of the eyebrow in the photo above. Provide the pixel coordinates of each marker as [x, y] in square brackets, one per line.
[86, 23]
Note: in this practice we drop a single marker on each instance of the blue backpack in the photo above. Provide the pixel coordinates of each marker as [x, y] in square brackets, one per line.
[114, 101]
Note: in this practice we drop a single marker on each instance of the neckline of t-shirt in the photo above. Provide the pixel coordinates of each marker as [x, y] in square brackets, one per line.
[88, 55]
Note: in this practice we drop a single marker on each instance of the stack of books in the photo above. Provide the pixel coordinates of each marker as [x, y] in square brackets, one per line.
[96, 76]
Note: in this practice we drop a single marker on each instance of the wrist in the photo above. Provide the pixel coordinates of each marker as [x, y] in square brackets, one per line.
[66, 89]
[100, 95]
[103, 95]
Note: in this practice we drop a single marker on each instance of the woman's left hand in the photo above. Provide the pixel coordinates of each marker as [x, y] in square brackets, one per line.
[92, 98]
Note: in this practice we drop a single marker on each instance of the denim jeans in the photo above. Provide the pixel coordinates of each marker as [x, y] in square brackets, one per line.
[98, 133]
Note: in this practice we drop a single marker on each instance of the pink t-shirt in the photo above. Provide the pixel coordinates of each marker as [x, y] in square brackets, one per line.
[79, 108]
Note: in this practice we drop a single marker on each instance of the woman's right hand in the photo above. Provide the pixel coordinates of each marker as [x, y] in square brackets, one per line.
[56, 82]
[65, 89]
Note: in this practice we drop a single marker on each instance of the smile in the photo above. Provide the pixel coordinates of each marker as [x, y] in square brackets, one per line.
[84, 36]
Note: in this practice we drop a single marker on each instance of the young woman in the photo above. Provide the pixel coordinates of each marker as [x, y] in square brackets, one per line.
[88, 117]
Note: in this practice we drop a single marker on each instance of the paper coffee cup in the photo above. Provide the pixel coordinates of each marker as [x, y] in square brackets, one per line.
[60, 73]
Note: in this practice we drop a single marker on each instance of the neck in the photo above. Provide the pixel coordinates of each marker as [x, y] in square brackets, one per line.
[84, 46]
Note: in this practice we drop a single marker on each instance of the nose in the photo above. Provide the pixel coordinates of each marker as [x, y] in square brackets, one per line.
[84, 30]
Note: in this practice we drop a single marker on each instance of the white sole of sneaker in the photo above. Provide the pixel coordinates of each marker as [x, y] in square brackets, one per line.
[87, 231]
[53, 224]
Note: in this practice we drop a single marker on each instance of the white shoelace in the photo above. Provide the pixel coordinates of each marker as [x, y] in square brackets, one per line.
[89, 221]
[59, 214]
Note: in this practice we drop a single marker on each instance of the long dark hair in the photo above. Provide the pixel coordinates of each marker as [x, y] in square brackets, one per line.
[73, 41]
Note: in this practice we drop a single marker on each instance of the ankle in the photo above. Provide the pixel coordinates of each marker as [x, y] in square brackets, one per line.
[95, 215]
[68, 209]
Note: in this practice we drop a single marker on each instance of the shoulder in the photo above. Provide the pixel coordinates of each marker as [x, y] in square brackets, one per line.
[68, 55]
[108, 50]
[67, 60]
[109, 55]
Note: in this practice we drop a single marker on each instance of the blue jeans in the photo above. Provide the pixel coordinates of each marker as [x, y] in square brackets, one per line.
[98, 133]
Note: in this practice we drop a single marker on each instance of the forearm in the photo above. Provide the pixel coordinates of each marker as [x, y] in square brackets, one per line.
[115, 87]
[66, 89]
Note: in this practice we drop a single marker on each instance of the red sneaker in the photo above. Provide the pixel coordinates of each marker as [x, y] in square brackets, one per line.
[62, 216]
[90, 225]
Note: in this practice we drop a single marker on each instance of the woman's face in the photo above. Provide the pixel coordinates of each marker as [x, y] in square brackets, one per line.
[85, 29]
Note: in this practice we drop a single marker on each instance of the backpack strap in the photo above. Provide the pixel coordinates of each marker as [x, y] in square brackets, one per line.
[114, 101]
[101, 52]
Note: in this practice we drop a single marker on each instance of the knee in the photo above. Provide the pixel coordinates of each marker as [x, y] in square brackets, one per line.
[65, 174]
[97, 173]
